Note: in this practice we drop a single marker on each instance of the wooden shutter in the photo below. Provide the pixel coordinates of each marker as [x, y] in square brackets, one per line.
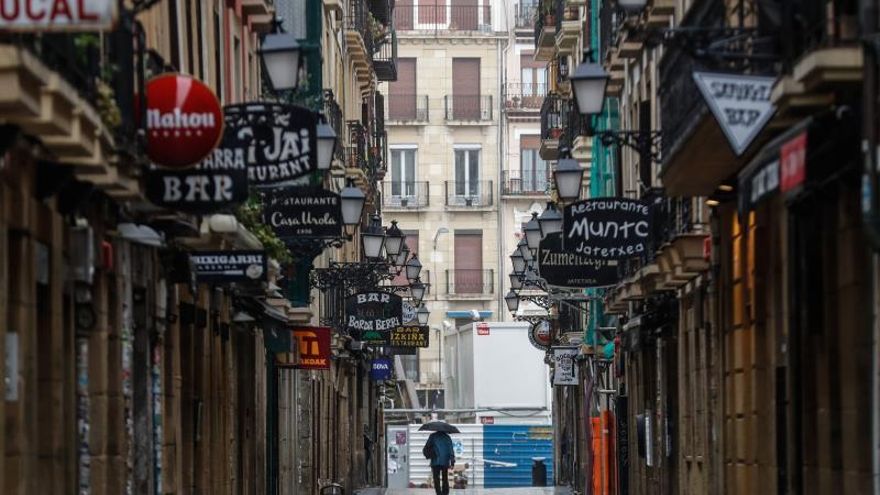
[530, 142]
[465, 15]
[403, 15]
[466, 88]
[468, 273]
[432, 12]
[402, 93]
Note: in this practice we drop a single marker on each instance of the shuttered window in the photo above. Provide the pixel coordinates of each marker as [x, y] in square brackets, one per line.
[402, 93]
[468, 276]
[533, 168]
[466, 88]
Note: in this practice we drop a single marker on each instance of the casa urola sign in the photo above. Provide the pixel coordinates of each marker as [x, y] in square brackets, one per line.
[57, 15]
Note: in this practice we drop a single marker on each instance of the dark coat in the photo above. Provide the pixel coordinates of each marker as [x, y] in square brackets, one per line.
[444, 454]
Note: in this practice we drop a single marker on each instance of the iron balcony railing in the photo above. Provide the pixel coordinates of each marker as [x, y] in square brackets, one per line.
[468, 107]
[478, 193]
[554, 116]
[382, 10]
[470, 281]
[385, 59]
[405, 194]
[524, 14]
[574, 124]
[356, 150]
[443, 17]
[358, 19]
[333, 114]
[524, 96]
[526, 183]
[407, 108]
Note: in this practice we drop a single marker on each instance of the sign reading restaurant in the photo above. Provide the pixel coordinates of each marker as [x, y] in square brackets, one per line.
[370, 316]
[57, 15]
[298, 212]
[409, 336]
[229, 266]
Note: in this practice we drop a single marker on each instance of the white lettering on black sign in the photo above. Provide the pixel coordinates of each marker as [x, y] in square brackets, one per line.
[741, 104]
[303, 212]
[229, 266]
[607, 229]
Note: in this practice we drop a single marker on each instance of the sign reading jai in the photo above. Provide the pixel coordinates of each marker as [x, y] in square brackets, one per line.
[370, 316]
[299, 212]
[229, 266]
[741, 104]
[409, 336]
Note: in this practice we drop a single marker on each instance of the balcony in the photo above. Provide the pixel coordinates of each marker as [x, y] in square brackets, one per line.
[443, 18]
[356, 159]
[470, 282]
[524, 97]
[568, 26]
[545, 31]
[407, 109]
[469, 194]
[413, 195]
[554, 117]
[258, 13]
[382, 10]
[333, 114]
[524, 15]
[359, 36]
[530, 185]
[385, 58]
[468, 108]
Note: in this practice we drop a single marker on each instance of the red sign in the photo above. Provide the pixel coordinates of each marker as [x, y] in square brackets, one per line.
[184, 120]
[314, 347]
[793, 163]
[483, 329]
[487, 420]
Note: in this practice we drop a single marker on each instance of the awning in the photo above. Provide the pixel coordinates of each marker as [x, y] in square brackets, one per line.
[468, 314]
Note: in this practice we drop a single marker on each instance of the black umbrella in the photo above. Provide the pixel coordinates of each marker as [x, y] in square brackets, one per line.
[439, 426]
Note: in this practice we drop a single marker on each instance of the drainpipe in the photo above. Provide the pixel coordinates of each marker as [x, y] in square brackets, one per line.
[503, 48]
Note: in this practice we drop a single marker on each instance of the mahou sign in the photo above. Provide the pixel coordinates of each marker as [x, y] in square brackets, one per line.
[298, 212]
[184, 121]
[277, 143]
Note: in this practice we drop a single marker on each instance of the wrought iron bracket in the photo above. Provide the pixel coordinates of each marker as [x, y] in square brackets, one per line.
[352, 276]
[310, 247]
[642, 141]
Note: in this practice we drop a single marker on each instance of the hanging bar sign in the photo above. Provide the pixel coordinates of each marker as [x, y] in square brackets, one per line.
[741, 104]
[370, 316]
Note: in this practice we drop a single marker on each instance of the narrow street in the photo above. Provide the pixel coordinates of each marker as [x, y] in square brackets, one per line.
[479, 491]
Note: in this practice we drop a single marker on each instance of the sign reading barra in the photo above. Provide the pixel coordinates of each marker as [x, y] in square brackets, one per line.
[409, 336]
[229, 266]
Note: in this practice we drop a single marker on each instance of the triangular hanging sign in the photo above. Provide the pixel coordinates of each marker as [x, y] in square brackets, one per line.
[741, 104]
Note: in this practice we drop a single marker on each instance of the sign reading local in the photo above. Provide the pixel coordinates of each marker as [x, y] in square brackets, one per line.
[299, 212]
[314, 347]
[370, 316]
[184, 120]
[277, 143]
[57, 15]
[409, 336]
[380, 369]
[741, 104]
[229, 266]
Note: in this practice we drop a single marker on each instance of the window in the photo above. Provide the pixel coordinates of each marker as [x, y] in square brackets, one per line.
[467, 173]
[532, 168]
[468, 273]
[403, 172]
[466, 89]
[402, 93]
[533, 74]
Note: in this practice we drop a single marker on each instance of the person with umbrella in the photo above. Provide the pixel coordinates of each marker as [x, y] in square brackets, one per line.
[439, 449]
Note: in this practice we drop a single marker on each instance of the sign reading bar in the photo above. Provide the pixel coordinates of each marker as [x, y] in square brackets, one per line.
[229, 266]
[276, 142]
[741, 104]
[370, 316]
[561, 268]
[184, 120]
[57, 15]
[314, 347]
[299, 212]
[380, 369]
[565, 371]
[409, 336]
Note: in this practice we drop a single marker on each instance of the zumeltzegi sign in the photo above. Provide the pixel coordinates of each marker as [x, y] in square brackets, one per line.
[741, 104]
[229, 266]
[562, 268]
[277, 142]
[409, 336]
[370, 316]
[303, 212]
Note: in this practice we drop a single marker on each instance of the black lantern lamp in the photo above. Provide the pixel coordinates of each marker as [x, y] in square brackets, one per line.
[568, 177]
[373, 238]
[588, 83]
[512, 301]
[417, 291]
[550, 220]
[516, 281]
[532, 230]
[393, 239]
[281, 57]
[632, 5]
[422, 315]
[524, 250]
[326, 144]
[413, 269]
[399, 261]
[352, 201]
[519, 264]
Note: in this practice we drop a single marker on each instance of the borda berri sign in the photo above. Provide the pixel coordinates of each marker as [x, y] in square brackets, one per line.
[741, 104]
[370, 316]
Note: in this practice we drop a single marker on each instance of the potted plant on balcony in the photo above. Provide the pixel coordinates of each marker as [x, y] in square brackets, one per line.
[377, 30]
[555, 132]
[548, 12]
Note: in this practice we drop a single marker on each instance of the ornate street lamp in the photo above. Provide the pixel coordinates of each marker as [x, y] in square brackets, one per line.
[512, 301]
[352, 201]
[532, 230]
[568, 177]
[523, 247]
[550, 220]
[516, 282]
[588, 82]
[422, 315]
[393, 239]
[413, 269]
[326, 144]
[281, 58]
[399, 261]
[519, 264]
[373, 238]
[417, 291]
